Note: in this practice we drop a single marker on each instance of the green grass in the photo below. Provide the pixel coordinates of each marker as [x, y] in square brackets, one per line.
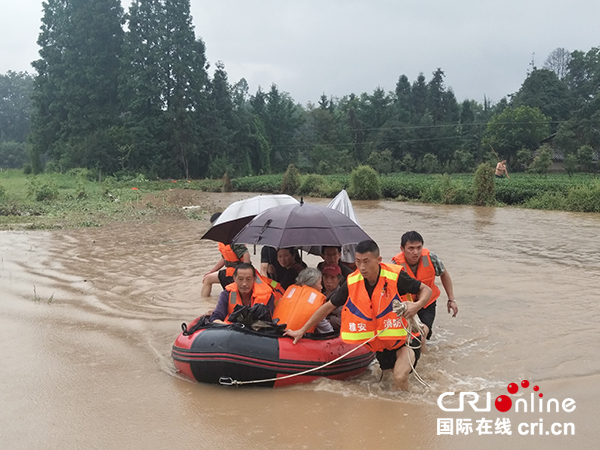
[50, 201]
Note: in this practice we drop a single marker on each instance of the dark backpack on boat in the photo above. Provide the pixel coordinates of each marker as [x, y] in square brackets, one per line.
[257, 318]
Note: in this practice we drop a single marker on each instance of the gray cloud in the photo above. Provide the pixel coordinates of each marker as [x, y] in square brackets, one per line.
[338, 47]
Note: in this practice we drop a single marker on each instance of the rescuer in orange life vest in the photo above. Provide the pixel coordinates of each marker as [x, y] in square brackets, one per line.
[423, 265]
[231, 256]
[367, 297]
[247, 289]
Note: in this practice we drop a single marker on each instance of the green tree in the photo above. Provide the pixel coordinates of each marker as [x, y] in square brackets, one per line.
[163, 90]
[585, 157]
[543, 90]
[515, 128]
[15, 105]
[419, 96]
[75, 89]
[542, 161]
[281, 119]
[430, 163]
[570, 164]
[523, 158]
[403, 100]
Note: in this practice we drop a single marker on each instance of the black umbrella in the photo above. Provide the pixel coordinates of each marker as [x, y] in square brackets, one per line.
[299, 226]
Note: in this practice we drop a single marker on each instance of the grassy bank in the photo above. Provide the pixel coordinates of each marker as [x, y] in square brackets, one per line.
[50, 201]
[69, 200]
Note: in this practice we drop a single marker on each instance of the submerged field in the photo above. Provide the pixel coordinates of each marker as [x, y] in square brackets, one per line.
[70, 200]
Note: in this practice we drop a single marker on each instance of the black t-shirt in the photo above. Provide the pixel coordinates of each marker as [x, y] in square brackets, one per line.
[285, 277]
[406, 284]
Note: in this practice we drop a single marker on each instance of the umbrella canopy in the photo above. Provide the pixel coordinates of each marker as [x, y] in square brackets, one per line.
[238, 214]
[301, 225]
[342, 203]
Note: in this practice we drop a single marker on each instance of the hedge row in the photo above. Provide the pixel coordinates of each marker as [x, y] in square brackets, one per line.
[558, 191]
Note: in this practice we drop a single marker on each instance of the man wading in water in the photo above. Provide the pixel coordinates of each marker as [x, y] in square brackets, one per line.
[367, 297]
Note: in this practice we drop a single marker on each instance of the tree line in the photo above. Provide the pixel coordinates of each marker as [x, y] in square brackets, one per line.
[133, 92]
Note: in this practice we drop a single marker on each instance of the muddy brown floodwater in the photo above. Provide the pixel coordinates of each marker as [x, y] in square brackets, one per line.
[88, 317]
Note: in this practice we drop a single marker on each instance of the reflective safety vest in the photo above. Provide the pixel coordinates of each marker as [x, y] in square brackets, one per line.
[261, 293]
[278, 289]
[231, 259]
[425, 273]
[364, 317]
[297, 305]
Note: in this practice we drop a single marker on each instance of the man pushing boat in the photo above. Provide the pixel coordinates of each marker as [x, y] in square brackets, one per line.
[367, 317]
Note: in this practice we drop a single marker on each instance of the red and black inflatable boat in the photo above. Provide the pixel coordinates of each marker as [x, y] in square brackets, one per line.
[216, 353]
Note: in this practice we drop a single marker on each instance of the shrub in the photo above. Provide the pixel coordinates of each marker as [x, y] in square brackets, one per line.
[52, 167]
[46, 191]
[27, 169]
[447, 191]
[311, 184]
[291, 180]
[261, 183]
[364, 184]
[584, 198]
[484, 186]
[547, 200]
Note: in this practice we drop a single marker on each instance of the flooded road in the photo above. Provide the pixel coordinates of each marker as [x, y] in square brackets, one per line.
[88, 317]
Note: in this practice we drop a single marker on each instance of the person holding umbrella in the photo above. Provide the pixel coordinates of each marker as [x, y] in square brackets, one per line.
[231, 256]
[367, 317]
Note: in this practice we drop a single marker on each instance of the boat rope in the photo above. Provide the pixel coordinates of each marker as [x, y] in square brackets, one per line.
[228, 381]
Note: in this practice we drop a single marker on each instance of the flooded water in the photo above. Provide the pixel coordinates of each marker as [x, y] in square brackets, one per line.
[88, 317]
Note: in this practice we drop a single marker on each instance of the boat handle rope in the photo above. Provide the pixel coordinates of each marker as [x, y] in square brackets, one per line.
[228, 381]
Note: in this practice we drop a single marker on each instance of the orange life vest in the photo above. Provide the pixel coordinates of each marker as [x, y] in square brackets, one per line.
[425, 273]
[231, 259]
[297, 305]
[364, 317]
[278, 289]
[261, 293]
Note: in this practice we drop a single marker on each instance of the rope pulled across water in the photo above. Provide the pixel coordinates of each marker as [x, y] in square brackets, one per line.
[399, 309]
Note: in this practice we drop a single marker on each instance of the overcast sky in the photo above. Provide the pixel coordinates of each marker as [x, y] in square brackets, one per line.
[338, 47]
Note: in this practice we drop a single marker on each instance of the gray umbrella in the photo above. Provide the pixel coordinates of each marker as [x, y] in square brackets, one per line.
[301, 225]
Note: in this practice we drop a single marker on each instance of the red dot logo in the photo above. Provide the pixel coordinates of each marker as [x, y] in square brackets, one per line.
[503, 403]
[541, 395]
[536, 388]
[525, 383]
[513, 388]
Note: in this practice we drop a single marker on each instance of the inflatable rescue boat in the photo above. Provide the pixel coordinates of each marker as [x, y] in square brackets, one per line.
[235, 355]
